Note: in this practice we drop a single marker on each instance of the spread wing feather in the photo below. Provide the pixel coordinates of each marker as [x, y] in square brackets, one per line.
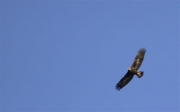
[125, 80]
[139, 59]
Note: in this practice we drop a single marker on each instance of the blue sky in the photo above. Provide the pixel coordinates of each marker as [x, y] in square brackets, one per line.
[69, 55]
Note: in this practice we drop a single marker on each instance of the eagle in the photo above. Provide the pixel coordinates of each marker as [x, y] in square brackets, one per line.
[133, 70]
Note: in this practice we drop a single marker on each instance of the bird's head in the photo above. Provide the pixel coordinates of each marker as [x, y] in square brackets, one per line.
[132, 70]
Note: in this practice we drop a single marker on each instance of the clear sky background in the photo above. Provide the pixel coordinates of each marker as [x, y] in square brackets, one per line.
[69, 55]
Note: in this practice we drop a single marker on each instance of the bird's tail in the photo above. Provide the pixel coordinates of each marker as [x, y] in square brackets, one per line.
[139, 74]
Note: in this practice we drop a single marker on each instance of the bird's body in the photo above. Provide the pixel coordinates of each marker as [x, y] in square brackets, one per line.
[133, 70]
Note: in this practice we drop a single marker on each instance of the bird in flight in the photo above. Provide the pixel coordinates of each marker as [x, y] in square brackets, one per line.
[133, 70]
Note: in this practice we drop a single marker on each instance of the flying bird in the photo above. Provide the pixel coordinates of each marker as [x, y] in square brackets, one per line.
[133, 70]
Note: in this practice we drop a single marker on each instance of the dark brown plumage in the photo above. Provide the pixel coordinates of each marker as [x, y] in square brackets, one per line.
[132, 70]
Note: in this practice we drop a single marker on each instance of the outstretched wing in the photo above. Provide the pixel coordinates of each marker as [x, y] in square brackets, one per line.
[139, 59]
[125, 80]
